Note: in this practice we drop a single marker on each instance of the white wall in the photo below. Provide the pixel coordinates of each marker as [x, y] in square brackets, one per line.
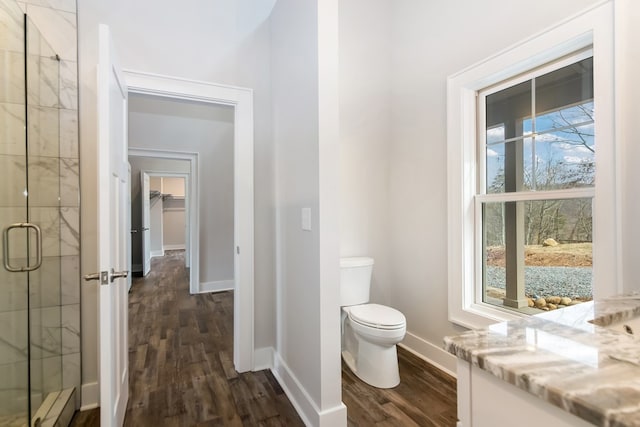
[206, 129]
[173, 186]
[430, 41]
[173, 214]
[628, 112]
[173, 228]
[365, 136]
[222, 41]
[155, 218]
[304, 73]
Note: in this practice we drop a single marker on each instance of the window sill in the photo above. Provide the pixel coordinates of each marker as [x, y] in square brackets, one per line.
[480, 315]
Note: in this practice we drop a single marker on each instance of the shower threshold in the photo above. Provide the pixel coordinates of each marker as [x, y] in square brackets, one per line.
[56, 410]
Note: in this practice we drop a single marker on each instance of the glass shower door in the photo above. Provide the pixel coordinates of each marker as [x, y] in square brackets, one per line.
[47, 325]
[14, 295]
[32, 320]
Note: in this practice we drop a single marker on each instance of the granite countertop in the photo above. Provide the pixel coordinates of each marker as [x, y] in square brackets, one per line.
[567, 357]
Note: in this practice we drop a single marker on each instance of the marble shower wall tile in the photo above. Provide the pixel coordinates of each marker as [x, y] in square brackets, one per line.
[36, 382]
[49, 221]
[68, 85]
[44, 128]
[44, 284]
[46, 332]
[46, 377]
[69, 182]
[71, 374]
[12, 77]
[13, 181]
[36, 44]
[14, 387]
[64, 5]
[13, 291]
[70, 279]
[44, 181]
[43, 75]
[11, 27]
[59, 29]
[70, 328]
[69, 134]
[69, 231]
[52, 374]
[12, 138]
[13, 336]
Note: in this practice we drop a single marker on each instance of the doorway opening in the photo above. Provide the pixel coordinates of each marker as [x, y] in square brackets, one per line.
[239, 102]
[164, 209]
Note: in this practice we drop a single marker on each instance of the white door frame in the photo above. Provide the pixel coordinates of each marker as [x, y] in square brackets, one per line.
[157, 173]
[192, 202]
[242, 101]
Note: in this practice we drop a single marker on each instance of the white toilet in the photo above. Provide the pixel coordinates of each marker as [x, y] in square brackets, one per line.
[370, 332]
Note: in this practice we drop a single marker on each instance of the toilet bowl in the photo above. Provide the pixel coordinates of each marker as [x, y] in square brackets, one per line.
[370, 332]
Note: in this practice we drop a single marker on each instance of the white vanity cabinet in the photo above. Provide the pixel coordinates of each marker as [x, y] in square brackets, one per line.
[487, 401]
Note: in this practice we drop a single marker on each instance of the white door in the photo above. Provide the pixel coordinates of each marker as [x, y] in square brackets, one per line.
[128, 219]
[112, 234]
[146, 222]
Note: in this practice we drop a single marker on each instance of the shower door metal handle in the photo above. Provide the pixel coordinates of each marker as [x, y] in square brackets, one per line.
[5, 247]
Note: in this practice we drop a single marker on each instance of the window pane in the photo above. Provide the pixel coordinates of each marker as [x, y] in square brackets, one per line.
[508, 108]
[537, 249]
[575, 115]
[566, 87]
[565, 159]
[495, 134]
[550, 148]
[509, 166]
[506, 126]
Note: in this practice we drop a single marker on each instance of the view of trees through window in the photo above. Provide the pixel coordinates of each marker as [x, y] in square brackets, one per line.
[539, 140]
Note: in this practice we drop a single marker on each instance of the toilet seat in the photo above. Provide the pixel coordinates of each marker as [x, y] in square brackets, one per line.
[377, 316]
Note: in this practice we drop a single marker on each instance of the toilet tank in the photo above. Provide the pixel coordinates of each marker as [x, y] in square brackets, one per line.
[355, 280]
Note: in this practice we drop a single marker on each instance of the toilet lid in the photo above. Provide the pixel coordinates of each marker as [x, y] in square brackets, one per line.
[377, 316]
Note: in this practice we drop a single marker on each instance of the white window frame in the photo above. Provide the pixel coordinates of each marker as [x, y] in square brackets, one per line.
[593, 29]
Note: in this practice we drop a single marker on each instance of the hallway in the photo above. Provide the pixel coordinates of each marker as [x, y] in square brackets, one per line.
[180, 358]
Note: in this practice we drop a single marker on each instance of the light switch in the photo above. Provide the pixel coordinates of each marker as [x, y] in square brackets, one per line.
[306, 219]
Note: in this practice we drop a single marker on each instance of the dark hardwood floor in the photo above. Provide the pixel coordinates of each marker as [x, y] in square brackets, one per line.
[426, 396]
[181, 371]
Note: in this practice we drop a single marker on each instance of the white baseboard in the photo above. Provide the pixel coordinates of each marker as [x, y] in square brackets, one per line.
[156, 253]
[336, 416]
[90, 396]
[218, 286]
[173, 247]
[433, 354]
[136, 268]
[302, 402]
[263, 358]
